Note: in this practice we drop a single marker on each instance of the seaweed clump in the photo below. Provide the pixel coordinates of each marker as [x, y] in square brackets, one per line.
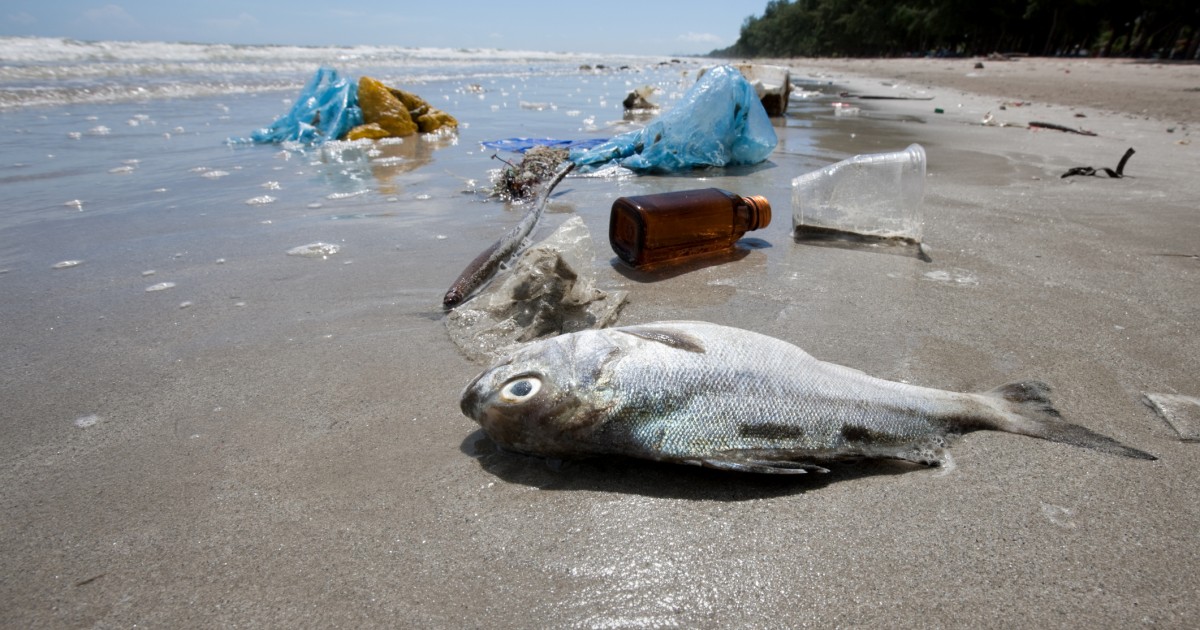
[522, 181]
[392, 113]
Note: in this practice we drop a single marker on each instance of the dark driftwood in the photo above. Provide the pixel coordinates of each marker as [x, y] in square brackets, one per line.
[1088, 170]
[1046, 125]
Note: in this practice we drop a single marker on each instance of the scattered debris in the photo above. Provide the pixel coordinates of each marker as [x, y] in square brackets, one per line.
[990, 121]
[876, 195]
[639, 100]
[1088, 170]
[547, 292]
[393, 113]
[772, 84]
[331, 107]
[845, 109]
[480, 270]
[523, 180]
[718, 122]
[1045, 125]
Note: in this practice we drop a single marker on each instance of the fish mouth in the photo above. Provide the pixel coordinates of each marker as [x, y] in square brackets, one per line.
[473, 394]
[469, 404]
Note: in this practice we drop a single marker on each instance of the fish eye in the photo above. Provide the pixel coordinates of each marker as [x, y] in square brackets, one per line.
[521, 389]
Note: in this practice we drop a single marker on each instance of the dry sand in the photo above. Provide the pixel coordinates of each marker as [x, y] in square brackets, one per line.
[313, 470]
[1168, 91]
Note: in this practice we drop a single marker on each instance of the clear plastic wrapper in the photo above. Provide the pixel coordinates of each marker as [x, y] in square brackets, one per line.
[547, 291]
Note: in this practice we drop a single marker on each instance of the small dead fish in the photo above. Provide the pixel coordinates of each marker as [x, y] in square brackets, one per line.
[710, 395]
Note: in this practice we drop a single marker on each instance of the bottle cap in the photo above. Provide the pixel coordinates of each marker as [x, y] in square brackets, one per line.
[760, 211]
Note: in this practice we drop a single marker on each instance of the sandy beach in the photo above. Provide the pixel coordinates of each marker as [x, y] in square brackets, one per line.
[286, 449]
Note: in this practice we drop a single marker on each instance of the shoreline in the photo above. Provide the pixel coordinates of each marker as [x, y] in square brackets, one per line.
[1167, 91]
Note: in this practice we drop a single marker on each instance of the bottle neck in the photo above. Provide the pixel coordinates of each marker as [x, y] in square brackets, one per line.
[755, 211]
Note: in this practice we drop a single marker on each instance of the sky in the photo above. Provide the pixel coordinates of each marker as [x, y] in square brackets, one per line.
[645, 27]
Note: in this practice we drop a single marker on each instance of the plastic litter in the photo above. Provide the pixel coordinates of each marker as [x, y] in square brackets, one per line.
[480, 270]
[521, 145]
[772, 84]
[718, 122]
[877, 195]
[333, 108]
[547, 292]
[326, 109]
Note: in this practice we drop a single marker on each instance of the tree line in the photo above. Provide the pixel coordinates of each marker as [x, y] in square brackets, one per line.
[1168, 29]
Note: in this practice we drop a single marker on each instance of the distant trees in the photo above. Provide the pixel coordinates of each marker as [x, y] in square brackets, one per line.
[1131, 28]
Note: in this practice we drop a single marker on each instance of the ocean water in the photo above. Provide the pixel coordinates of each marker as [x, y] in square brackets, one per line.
[132, 234]
[117, 150]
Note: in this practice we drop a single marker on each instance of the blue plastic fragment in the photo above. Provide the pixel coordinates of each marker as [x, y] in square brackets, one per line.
[521, 145]
[326, 109]
[719, 122]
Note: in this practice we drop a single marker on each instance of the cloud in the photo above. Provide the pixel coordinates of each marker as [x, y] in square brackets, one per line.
[110, 15]
[699, 38]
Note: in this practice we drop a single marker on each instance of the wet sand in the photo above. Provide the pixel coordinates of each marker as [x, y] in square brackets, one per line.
[293, 455]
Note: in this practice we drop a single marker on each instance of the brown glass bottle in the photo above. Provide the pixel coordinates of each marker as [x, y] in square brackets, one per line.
[648, 229]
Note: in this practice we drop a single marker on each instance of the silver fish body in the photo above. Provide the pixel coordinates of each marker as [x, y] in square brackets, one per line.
[711, 395]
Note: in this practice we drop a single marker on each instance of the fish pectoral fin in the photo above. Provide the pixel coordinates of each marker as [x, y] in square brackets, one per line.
[772, 467]
[664, 335]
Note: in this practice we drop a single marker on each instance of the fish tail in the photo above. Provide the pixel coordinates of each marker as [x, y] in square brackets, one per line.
[1025, 409]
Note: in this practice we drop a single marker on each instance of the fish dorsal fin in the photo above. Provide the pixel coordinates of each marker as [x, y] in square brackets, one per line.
[660, 334]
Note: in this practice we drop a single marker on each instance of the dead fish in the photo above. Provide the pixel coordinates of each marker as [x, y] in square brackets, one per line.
[710, 395]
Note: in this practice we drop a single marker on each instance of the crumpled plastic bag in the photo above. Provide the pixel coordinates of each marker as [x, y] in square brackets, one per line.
[545, 293]
[326, 109]
[719, 122]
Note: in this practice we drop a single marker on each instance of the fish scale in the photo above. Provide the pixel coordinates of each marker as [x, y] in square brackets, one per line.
[711, 395]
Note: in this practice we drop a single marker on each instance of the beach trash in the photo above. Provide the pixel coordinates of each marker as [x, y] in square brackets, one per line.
[392, 113]
[772, 84]
[326, 109]
[549, 290]
[877, 195]
[639, 100]
[718, 122]
[333, 108]
[648, 229]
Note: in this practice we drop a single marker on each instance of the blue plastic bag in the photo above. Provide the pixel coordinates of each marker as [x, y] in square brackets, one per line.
[719, 122]
[326, 109]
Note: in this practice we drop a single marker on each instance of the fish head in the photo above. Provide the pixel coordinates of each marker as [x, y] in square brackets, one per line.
[546, 397]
